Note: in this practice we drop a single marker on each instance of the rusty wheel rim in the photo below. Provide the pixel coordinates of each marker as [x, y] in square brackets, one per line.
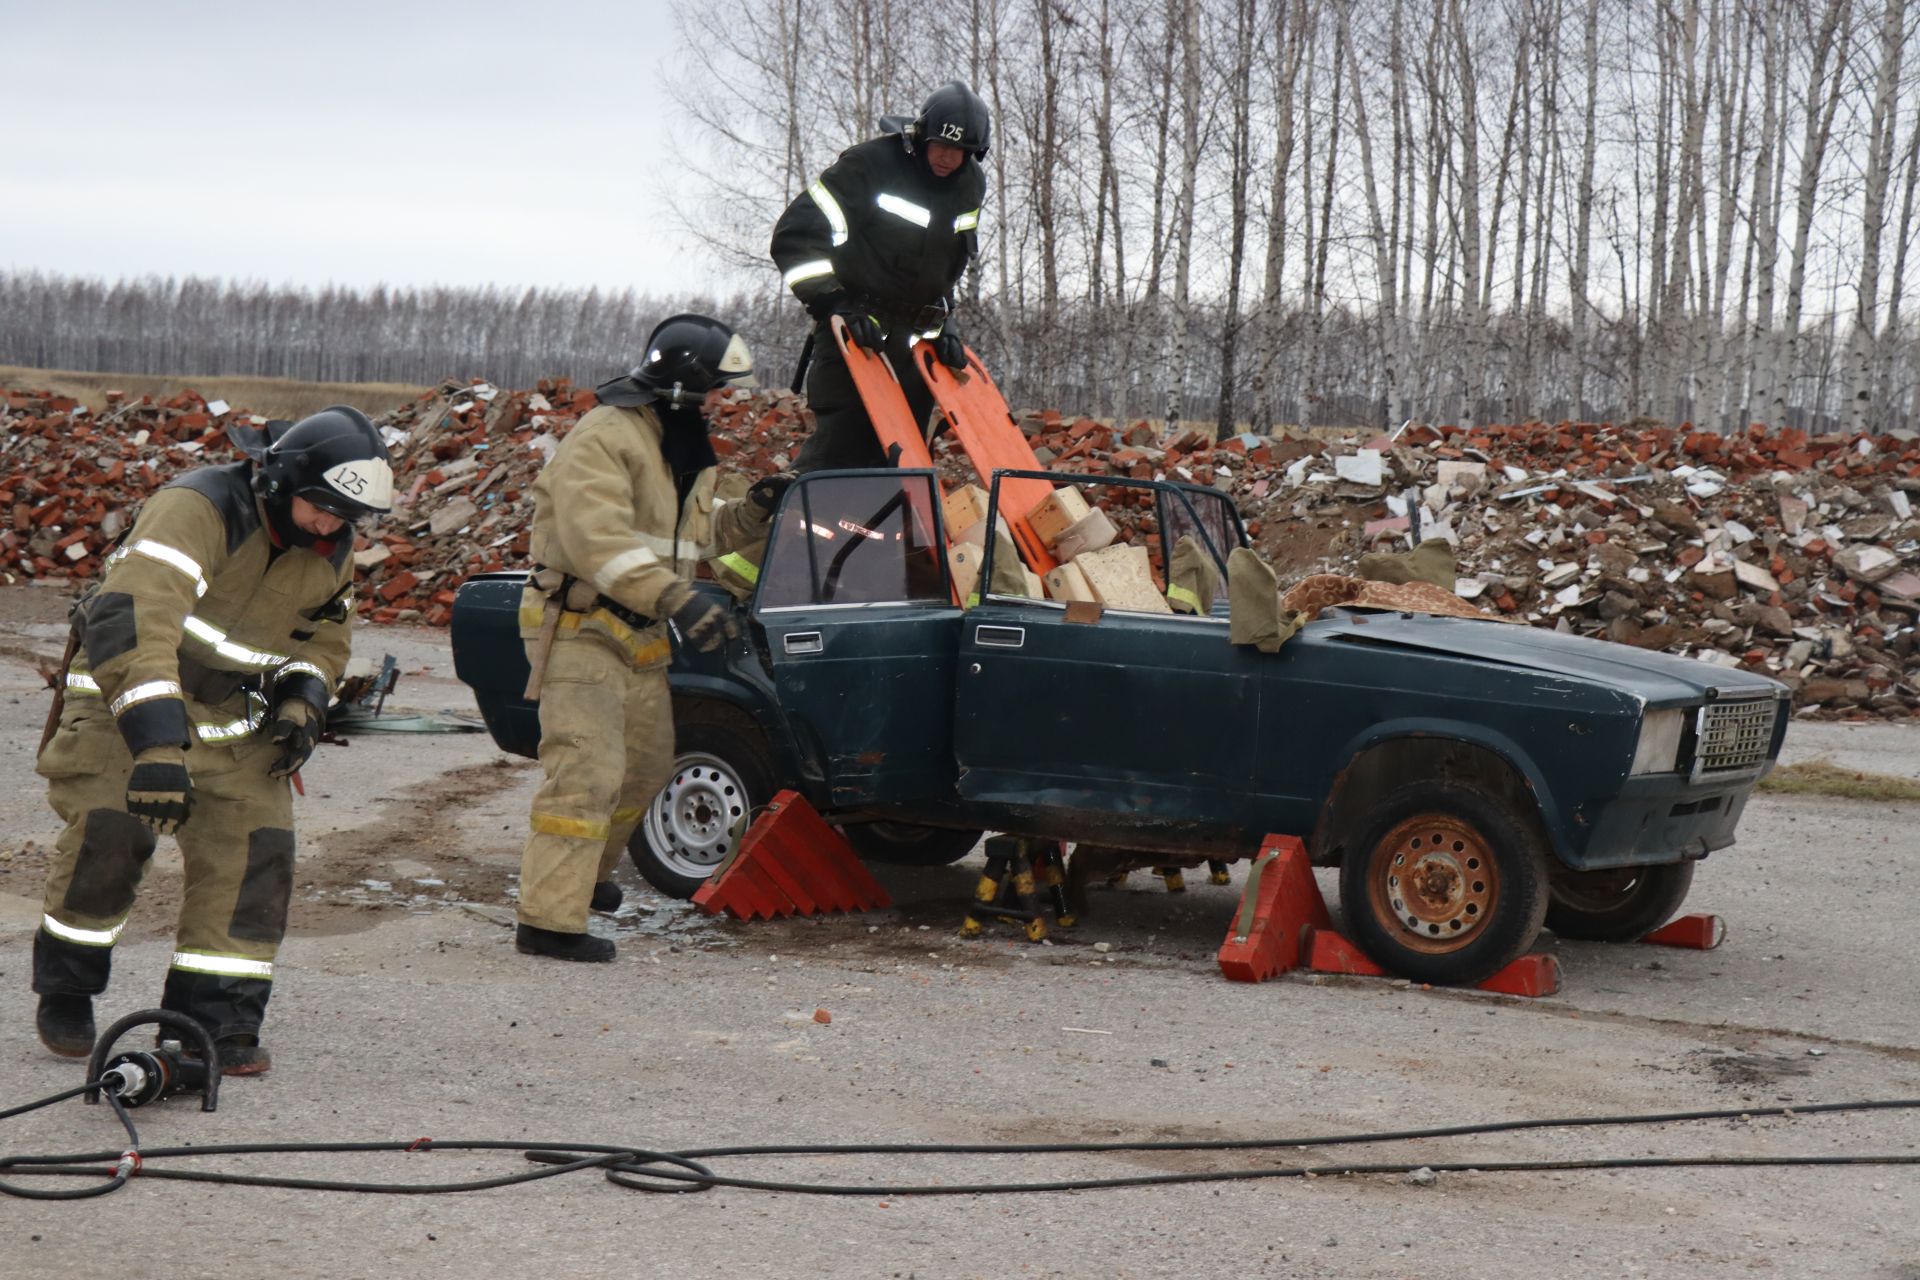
[1433, 882]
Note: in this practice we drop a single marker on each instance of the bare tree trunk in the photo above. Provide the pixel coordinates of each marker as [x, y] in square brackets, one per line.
[1049, 360]
[1472, 343]
[1902, 241]
[1184, 207]
[1677, 395]
[1769, 172]
[1289, 23]
[1734, 85]
[1240, 175]
[1822, 100]
[1880, 127]
[1385, 309]
[1583, 210]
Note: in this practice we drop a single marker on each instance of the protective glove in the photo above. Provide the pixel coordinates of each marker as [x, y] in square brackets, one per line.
[862, 329]
[766, 493]
[950, 350]
[159, 793]
[297, 725]
[702, 624]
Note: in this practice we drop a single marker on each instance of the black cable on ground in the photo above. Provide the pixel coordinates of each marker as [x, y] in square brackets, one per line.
[127, 1162]
[684, 1171]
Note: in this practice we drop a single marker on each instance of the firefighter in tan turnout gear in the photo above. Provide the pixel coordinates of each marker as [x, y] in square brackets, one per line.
[621, 517]
[203, 664]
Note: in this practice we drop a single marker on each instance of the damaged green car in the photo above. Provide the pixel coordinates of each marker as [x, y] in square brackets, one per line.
[1472, 780]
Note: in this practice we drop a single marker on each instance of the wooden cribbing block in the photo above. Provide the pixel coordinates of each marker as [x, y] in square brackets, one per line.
[1121, 579]
[964, 508]
[1057, 512]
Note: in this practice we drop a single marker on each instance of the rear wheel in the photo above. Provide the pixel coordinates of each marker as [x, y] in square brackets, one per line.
[1444, 884]
[1619, 904]
[722, 773]
[907, 845]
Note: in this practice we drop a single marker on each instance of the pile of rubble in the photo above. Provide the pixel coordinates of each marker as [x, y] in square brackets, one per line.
[465, 457]
[1792, 555]
[1797, 556]
[69, 479]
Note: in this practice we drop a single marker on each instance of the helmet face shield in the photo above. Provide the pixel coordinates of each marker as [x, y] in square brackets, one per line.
[736, 364]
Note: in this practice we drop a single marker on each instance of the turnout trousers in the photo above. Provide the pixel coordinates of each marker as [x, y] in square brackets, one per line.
[237, 846]
[606, 746]
[843, 434]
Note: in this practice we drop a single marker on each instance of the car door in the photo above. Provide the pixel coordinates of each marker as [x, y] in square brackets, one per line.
[855, 614]
[1149, 715]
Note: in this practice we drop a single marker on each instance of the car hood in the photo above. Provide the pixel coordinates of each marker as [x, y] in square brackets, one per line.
[1659, 678]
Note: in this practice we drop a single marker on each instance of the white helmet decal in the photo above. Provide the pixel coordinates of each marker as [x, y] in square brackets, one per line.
[367, 481]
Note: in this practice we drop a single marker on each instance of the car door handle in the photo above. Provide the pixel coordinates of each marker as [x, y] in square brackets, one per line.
[1000, 637]
[801, 642]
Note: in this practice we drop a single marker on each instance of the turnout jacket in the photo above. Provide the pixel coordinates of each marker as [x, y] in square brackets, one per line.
[879, 227]
[606, 512]
[198, 608]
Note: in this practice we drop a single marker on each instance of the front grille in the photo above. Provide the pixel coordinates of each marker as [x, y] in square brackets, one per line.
[1734, 736]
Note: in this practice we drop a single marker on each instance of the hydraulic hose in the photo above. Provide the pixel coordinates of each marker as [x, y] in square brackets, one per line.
[644, 1169]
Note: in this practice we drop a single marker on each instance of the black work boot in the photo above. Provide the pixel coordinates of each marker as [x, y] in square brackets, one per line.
[242, 1056]
[607, 897]
[66, 1024]
[532, 941]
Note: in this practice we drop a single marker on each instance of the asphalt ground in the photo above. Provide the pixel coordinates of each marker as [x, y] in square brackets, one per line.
[401, 1011]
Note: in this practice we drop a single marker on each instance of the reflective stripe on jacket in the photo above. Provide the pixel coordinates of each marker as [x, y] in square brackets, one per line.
[195, 605]
[879, 226]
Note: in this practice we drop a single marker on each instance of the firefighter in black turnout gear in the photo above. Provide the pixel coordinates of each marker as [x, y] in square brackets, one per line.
[881, 239]
[203, 665]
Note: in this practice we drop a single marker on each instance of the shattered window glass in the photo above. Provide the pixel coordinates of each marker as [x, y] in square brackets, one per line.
[856, 539]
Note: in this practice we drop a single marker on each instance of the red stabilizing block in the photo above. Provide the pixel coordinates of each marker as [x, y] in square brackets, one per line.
[1699, 932]
[1537, 974]
[1280, 902]
[1329, 952]
[1531, 975]
[790, 862]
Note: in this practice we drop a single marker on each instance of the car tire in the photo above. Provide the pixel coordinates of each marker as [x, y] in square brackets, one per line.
[722, 773]
[1619, 904]
[906, 844]
[1444, 884]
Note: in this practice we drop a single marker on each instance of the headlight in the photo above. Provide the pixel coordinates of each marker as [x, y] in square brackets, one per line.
[1659, 748]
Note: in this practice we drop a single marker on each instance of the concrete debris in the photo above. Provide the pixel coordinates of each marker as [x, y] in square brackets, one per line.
[1794, 555]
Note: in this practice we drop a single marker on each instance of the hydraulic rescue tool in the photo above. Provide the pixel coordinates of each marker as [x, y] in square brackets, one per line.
[140, 1076]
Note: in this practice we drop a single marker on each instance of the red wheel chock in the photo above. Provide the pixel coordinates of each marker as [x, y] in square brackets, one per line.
[790, 863]
[1280, 903]
[1537, 974]
[1697, 932]
[1283, 924]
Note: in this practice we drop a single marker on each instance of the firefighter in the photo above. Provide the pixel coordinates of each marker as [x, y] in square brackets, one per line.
[881, 239]
[621, 517]
[202, 668]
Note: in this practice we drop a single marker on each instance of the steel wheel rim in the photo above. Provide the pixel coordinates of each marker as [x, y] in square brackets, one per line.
[1433, 882]
[1595, 892]
[690, 824]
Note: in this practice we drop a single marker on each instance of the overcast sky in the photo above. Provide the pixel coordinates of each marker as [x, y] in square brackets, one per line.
[476, 143]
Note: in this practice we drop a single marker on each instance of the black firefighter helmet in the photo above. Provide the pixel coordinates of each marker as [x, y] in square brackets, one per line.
[335, 460]
[955, 115]
[687, 356]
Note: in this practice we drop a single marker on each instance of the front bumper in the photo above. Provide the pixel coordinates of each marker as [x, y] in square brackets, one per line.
[1660, 818]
